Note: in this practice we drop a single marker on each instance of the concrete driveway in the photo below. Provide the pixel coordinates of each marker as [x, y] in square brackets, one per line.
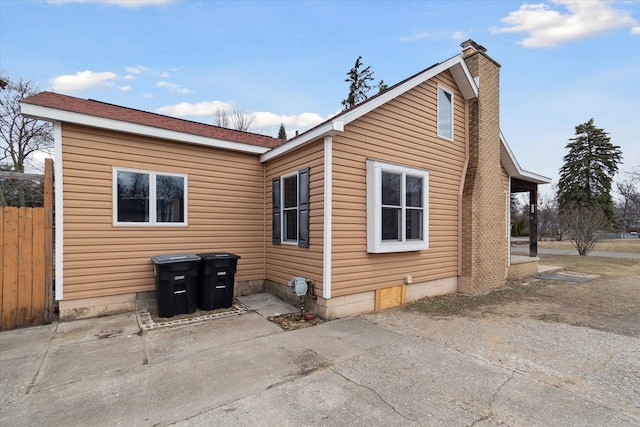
[389, 368]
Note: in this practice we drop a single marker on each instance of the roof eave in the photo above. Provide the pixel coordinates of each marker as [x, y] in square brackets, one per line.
[513, 168]
[54, 114]
[327, 129]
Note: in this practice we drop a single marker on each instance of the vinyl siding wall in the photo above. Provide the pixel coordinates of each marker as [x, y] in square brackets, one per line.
[286, 261]
[403, 132]
[225, 210]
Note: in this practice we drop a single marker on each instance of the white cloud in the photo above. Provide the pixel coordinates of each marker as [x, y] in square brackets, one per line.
[303, 121]
[138, 70]
[83, 80]
[174, 88]
[547, 27]
[200, 109]
[262, 119]
[125, 88]
[122, 3]
[460, 35]
[415, 37]
[635, 30]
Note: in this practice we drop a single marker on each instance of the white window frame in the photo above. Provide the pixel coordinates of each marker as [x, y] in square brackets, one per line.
[283, 209]
[152, 199]
[375, 244]
[440, 90]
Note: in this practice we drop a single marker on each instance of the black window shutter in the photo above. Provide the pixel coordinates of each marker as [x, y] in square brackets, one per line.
[276, 212]
[303, 208]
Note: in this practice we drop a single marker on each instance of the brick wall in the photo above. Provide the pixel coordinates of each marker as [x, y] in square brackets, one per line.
[484, 245]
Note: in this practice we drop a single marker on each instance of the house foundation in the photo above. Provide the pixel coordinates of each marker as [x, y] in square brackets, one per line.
[96, 307]
[362, 302]
[522, 266]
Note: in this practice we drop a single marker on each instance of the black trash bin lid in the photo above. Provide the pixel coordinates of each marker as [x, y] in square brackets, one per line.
[173, 258]
[215, 255]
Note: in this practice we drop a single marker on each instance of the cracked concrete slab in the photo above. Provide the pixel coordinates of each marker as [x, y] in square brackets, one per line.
[89, 329]
[387, 368]
[581, 360]
[171, 344]
[22, 352]
[88, 359]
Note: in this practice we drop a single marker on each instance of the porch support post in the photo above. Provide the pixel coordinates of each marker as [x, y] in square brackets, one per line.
[533, 222]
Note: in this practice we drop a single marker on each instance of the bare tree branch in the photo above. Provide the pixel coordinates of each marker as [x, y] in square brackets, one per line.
[238, 119]
[582, 224]
[20, 136]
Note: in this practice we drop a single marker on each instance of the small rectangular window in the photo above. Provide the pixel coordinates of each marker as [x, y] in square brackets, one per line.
[149, 198]
[290, 208]
[445, 113]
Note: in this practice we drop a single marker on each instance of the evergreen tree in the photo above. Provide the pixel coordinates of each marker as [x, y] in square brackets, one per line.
[358, 80]
[282, 134]
[588, 170]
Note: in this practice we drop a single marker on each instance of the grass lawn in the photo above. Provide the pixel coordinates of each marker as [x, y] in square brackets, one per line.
[618, 245]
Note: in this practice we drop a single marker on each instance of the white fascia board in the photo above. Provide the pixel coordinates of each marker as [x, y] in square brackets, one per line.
[327, 129]
[466, 82]
[461, 74]
[387, 96]
[513, 168]
[54, 114]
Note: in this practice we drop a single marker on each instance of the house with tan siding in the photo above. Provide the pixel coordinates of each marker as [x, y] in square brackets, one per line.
[403, 196]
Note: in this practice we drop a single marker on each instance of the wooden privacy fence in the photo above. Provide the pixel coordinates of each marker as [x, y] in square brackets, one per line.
[26, 261]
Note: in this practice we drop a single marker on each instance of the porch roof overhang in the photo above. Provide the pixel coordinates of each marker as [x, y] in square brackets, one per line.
[456, 65]
[519, 176]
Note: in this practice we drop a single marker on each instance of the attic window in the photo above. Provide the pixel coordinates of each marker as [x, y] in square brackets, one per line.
[445, 113]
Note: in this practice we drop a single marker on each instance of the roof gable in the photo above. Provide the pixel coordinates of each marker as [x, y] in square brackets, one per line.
[456, 65]
[53, 106]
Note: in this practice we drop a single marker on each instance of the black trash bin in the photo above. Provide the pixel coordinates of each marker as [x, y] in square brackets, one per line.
[215, 280]
[176, 283]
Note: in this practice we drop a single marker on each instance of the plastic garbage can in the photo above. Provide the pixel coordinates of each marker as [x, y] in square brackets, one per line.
[176, 283]
[215, 280]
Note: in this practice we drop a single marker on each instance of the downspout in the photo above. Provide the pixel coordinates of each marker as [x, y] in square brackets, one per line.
[462, 181]
[328, 205]
[508, 215]
[59, 210]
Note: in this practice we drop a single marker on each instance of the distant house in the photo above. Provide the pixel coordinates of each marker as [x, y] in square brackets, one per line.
[403, 196]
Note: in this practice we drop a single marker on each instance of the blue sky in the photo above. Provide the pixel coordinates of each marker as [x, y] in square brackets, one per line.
[563, 62]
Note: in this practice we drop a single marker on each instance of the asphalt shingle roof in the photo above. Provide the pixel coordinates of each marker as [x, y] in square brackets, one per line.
[115, 112]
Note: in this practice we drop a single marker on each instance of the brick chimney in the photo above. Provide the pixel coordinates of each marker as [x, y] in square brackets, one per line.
[484, 201]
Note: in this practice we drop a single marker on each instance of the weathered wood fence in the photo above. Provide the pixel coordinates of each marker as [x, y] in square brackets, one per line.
[26, 261]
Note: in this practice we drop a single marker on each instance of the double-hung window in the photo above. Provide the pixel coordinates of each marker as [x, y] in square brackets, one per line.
[149, 198]
[445, 113]
[290, 209]
[397, 208]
